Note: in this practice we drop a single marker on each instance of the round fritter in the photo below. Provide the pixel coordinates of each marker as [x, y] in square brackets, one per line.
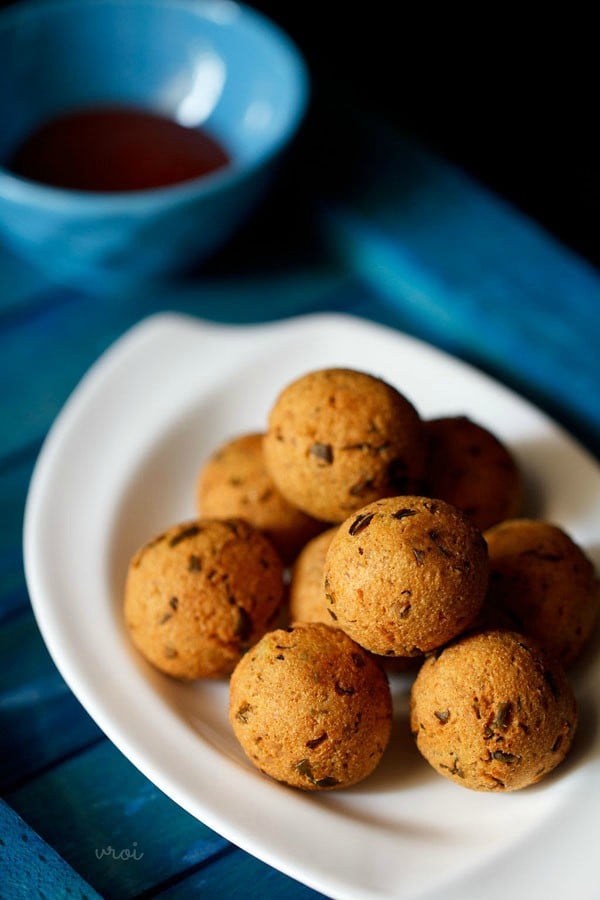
[338, 439]
[308, 603]
[492, 712]
[234, 483]
[545, 583]
[198, 595]
[468, 467]
[307, 591]
[405, 575]
[311, 708]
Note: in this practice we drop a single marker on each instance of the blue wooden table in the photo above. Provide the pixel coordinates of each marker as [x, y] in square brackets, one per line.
[397, 236]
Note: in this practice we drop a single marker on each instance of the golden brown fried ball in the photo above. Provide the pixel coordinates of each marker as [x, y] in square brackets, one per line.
[338, 439]
[307, 590]
[198, 595]
[308, 602]
[544, 583]
[492, 712]
[471, 469]
[405, 575]
[310, 708]
[234, 483]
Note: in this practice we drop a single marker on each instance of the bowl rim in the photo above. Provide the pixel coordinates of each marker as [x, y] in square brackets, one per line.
[29, 192]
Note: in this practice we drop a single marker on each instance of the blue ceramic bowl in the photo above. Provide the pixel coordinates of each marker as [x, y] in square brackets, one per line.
[209, 63]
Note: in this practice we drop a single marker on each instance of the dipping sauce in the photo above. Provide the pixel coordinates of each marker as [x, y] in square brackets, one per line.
[115, 149]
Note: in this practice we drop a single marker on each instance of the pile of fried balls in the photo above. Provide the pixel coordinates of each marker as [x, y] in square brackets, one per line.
[352, 541]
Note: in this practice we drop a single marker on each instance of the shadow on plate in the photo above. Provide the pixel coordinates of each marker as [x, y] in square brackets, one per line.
[585, 745]
[541, 460]
[401, 767]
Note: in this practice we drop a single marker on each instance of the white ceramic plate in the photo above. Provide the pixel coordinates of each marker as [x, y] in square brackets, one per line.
[120, 463]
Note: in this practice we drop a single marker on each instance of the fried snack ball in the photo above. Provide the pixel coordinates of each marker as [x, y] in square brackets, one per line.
[310, 708]
[404, 575]
[492, 712]
[198, 595]
[468, 467]
[234, 483]
[307, 601]
[338, 439]
[545, 583]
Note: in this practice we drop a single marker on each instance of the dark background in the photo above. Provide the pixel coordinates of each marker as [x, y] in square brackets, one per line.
[515, 101]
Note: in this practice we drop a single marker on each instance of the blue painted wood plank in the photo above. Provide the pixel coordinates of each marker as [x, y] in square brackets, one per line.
[14, 480]
[583, 424]
[29, 867]
[97, 800]
[237, 876]
[471, 274]
[41, 722]
[419, 247]
[20, 284]
[563, 376]
[14, 602]
[66, 336]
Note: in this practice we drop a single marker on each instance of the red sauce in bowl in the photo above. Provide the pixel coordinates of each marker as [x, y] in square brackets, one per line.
[115, 149]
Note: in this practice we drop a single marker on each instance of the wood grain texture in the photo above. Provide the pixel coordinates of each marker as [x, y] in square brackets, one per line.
[470, 274]
[76, 328]
[30, 868]
[405, 240]
[15, 474]
[243, 878]
[98, 800]
[41, 722]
